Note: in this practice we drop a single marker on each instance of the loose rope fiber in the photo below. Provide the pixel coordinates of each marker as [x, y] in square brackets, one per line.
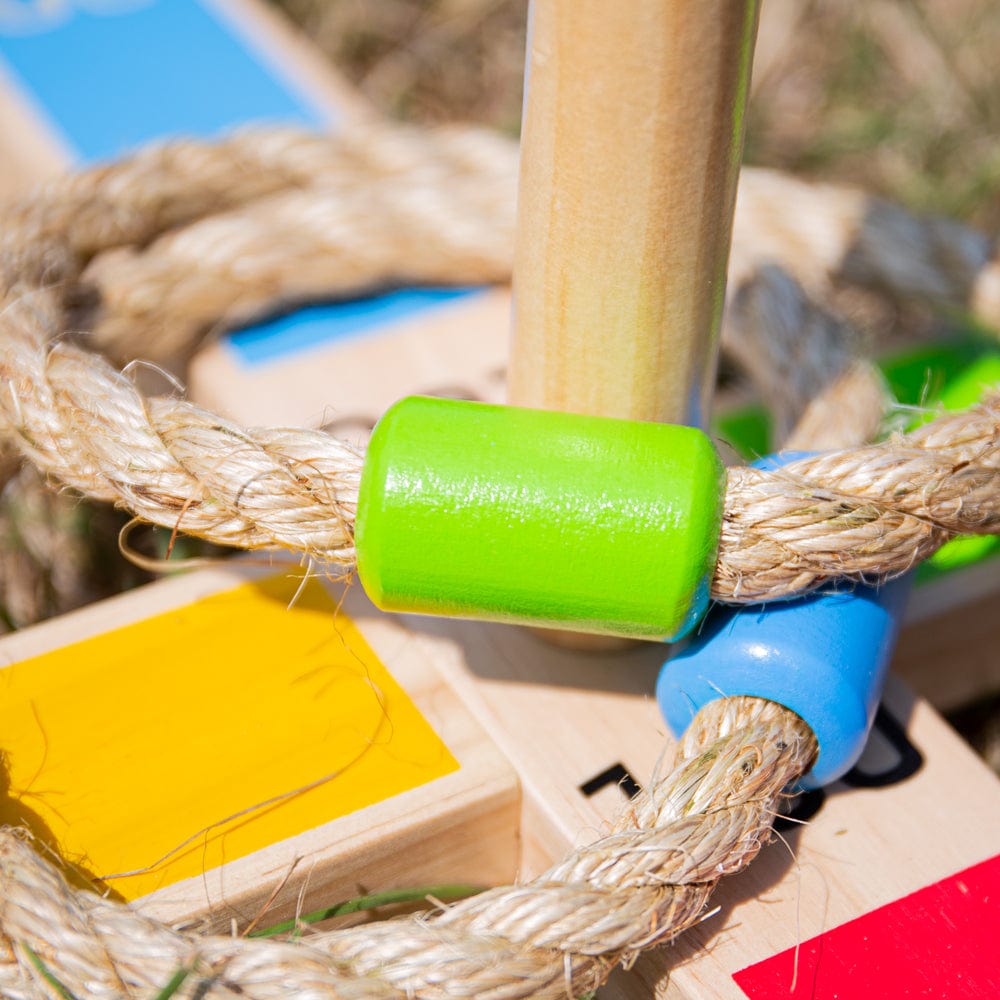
[863, 513]
[558, 936]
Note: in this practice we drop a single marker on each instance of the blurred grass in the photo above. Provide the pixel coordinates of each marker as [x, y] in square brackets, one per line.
[425, 61]
[899, 96]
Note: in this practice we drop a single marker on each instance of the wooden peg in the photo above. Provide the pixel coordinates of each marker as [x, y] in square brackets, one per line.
[630, 153]
[631, 144]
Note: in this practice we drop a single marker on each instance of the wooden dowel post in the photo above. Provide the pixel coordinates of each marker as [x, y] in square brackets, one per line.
[630, 152]
[631, 143]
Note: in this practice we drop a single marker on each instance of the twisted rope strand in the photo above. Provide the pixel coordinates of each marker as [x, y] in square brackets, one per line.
[48, 236]
[133, 200]
[644, 882]
[815, 232]
[296, 246]
[866, 513]
[168, 461]
[788, 345]
[391, 208]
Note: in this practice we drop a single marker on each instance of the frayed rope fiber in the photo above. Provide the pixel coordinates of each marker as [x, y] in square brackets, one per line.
[866, 513]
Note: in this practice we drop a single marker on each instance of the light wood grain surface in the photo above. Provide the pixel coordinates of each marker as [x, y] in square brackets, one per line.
[631, 144]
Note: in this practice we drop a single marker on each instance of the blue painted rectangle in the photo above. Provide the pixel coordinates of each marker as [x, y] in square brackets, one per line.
[112, 75]
[319, 325]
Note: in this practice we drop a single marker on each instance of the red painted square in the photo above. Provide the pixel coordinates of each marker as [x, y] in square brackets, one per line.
[940, 942]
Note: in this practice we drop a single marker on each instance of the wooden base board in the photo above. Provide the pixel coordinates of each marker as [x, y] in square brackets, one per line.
[919, 807]
[455, 348]
[578, 731]
[174, 722]
[947, 647]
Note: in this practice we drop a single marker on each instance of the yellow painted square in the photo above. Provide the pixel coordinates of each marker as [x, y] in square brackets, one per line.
[125, 746]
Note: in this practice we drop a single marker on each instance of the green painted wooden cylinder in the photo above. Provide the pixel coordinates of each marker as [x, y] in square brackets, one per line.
[537, 517]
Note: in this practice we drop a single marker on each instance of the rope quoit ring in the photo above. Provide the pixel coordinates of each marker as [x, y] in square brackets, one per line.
[83, 423]
[560, 935]
[863, 514]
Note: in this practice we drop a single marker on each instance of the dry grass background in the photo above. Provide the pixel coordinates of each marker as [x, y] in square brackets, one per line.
[899, 96]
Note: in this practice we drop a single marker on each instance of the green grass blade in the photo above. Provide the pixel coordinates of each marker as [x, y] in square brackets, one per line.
[64, 991]
[175, 983]
[444, 892]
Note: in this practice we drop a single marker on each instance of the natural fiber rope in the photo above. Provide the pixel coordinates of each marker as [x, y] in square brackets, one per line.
[171, 463]
[557, 936]
[864, 513]
[392, 208]
[850, 410]
[132, 201]
[860, 514]
[788, 344]
[161, 283]
[457, 207]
